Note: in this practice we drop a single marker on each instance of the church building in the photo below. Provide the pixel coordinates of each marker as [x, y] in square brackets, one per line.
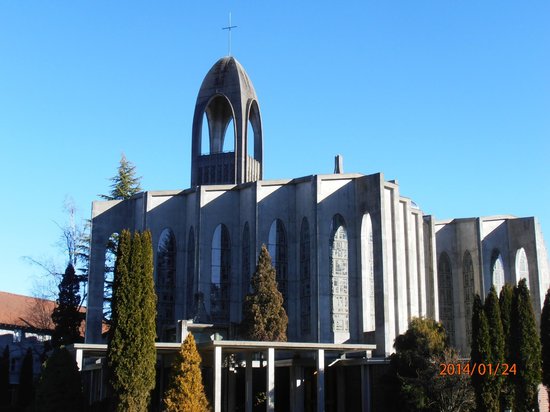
[355, 260]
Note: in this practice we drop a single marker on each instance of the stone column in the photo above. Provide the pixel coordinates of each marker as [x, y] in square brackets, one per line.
[321, 380]
[217, 379]
[270, 381]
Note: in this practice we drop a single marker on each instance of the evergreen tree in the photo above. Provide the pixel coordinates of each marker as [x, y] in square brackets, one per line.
[264, 317]
[5, 377]
[505, 303]
[60, 384]
[496, 342]
[481, 354]
[25, 389]
[125, 184]
[185, 391]
[66, 316]
[131, 355]
[545, 339]
[525, 349]
[414, 367]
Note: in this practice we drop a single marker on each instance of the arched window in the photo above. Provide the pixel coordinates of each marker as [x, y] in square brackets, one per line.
[522, 267]
[446, 301]
[245, 261]
[339, 278]
[367, 274]
[497, 270]
[277, 247]
[108, 273]
[468, 275]
[220, 275]
[190, 292]
[166, 282]
[305, 279]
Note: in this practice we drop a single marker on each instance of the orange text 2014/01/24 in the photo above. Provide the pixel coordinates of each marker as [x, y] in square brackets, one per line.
[498, 369]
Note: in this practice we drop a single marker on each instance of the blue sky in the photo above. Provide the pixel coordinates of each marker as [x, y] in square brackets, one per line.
[450, 98]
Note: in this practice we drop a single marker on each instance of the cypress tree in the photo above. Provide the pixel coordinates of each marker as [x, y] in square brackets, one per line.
[525, 349]
[5, 377]
[66, 316]
[60, 384]
[131, 349]
[505, 303]
[125, 183]
[496, 343]
[25, 389]
[480, 354]
[545, 339]
[185, 391]
[264, 317]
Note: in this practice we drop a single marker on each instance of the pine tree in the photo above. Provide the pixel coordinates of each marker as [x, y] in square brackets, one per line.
[505, 303]
[525, 349]
[125, 184]
[60, 384]
[545, 339]
[480, 354]
[185, 391]
[131, 353]
[264, 317]
[25, 389]
[66, 316]
[5, 377]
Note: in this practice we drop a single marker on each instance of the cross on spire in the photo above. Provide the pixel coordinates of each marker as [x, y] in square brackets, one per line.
[228, 28]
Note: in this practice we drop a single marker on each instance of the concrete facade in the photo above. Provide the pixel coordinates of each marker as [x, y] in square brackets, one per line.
[355, 260]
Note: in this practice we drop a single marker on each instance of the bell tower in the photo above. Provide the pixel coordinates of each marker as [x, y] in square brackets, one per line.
[227, 97]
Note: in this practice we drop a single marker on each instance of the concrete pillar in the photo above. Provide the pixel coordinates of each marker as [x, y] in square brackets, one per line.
[365, 388]
[248, 382]
[270, 381]
[321, 380]
[217, 379]
[296, 388]
[79, 358]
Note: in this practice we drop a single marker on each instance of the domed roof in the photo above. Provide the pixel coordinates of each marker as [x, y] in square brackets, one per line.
[225, 75]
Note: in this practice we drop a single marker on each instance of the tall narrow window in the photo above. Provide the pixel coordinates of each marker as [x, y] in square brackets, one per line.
[497, 270]
[468, 275]
[339, 275]
[522, 267]
[367, 274]
[108, 274]
[190, 292]
[220, 275]
[166, 282]
[305, 279]
[277, 247]
[446, 301]
[245, 261]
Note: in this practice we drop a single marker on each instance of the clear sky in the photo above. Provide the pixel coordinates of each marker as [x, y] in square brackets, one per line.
[451, 98]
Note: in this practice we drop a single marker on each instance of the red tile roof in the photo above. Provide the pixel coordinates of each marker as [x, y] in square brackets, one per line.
[26, 312]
